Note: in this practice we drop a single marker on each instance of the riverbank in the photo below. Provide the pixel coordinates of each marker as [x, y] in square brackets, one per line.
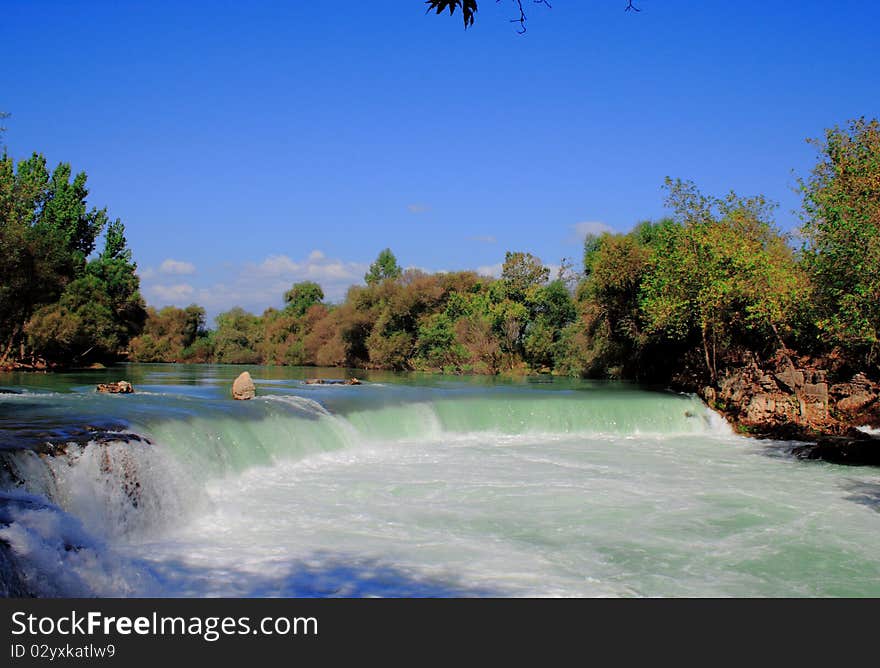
[833, 410]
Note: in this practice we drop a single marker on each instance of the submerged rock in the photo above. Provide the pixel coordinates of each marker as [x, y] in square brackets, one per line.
[120, 387]
[332, 381]
[243, 388]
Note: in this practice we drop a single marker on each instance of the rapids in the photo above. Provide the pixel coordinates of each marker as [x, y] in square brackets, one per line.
[411, 485]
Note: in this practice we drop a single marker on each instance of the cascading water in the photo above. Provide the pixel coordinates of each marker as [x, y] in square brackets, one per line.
[412, 487]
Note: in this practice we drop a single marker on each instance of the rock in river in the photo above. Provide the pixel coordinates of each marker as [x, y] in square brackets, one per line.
[243, 388]
[121, 387]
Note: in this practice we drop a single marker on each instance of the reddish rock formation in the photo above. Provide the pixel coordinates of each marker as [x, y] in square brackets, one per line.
[788, 395]
[795, 400]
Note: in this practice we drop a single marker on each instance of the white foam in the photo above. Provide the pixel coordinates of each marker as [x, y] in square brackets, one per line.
[303, 403]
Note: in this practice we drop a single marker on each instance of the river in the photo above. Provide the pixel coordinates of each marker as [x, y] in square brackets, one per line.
[412, 485]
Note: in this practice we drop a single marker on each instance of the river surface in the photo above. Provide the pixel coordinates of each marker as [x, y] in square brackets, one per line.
[412, 485]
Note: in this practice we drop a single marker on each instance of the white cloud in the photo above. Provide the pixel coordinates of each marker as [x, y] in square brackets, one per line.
[579, 231]
[418, 208]
[177, 267]
[493, 270]
[170, 294]
[274, 265]
[484, 238]
[256, 286]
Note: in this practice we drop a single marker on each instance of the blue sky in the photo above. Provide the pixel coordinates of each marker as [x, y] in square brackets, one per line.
[250, 145]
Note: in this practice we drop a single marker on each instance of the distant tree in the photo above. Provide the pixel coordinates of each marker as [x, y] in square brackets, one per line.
[3, 115]
[552, 310]
[841, 212]
[522, 272]
[384, 267]
[592, 244]
[238, 337]
[194, 321]
[303, 296]
[172, 335]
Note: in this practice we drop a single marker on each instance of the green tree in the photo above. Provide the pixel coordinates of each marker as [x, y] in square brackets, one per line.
[238, 337]
[841, 213]
[303, 296]
[384, 267]
[81, 326]
[46, 233]
[552, 310]
[522, 273]
[722, 273]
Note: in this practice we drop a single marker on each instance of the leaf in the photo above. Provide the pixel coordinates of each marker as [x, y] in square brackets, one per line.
[468, 8]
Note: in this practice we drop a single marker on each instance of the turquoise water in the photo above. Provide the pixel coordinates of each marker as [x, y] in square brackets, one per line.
[415, 485]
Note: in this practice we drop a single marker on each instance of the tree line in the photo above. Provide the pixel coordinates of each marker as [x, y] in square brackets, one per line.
[680, 298]
[715, 282]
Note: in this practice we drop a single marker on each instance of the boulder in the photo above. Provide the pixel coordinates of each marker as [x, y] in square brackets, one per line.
[243, 388]
[855, 449]
[120, 387]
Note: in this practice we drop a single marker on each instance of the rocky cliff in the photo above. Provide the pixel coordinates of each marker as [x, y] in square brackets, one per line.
[800, 400]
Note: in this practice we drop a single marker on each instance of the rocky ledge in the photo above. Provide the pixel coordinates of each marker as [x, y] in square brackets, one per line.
[800, 400]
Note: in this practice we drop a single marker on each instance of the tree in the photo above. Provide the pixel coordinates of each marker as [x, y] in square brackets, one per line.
[238, 337]
[841, 213]
[469, 10]
[116, 270]
[97, 314]
[721, 273]
[3, 115]
[46, 233]
[384, 267]
[522, 273]
[552, 311]
[302, 296]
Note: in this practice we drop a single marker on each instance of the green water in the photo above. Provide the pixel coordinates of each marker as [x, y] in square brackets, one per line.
[426, 485]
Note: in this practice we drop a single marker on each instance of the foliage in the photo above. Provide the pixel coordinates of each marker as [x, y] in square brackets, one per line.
[303, 296]
[237, 338]
[841, 211]
[714, 282]
[384, 267]
[722, 273]
[171, 335]
[468, 8]
[55, 303]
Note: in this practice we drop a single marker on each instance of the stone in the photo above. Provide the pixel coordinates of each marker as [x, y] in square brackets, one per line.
[120, 387]
[854, 451]
[243, 388]
[855, 402]
[816, 391]
[792, 379]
